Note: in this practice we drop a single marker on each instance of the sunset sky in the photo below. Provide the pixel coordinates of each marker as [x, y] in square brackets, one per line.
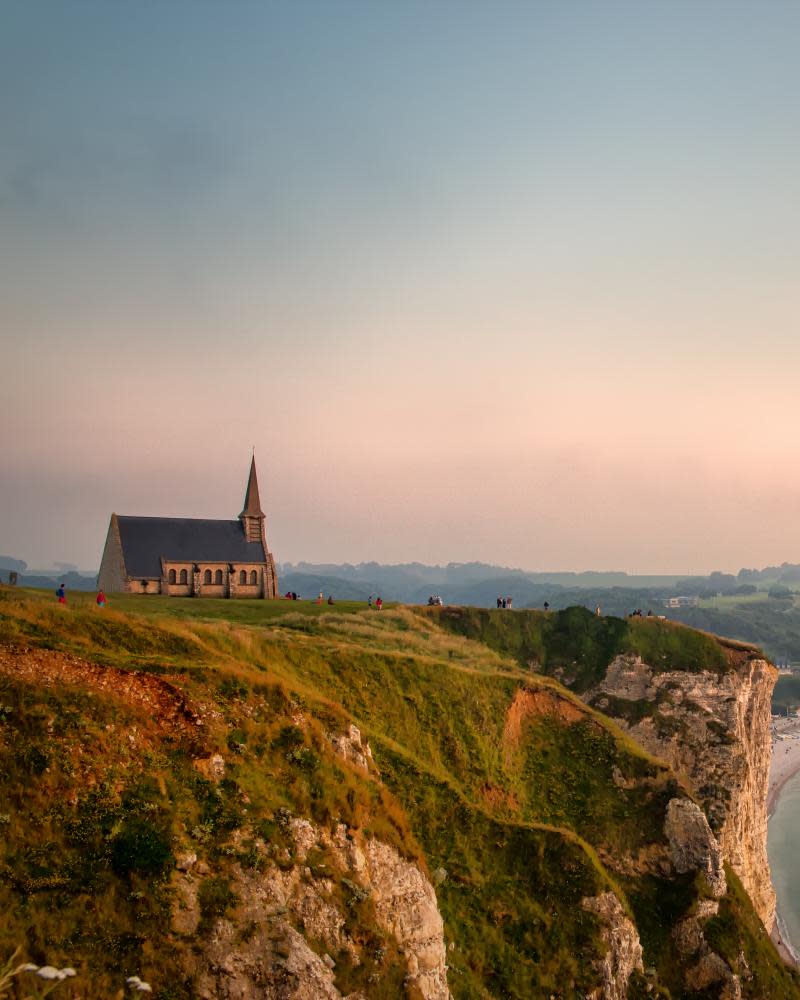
[515, 282]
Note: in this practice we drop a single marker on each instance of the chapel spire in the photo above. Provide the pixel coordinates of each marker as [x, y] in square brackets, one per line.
[252, 503]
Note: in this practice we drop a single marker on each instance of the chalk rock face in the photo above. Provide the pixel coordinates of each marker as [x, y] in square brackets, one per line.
[405, 903]
[261, 948]
[706, 969]
[350, 746]
[624, 952]
[692, 844]
[713, 728]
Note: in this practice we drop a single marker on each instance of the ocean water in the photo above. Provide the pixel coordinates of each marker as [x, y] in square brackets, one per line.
[783, 847]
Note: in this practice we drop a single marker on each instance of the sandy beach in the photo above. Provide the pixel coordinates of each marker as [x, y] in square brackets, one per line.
[785, 758]
[784, 764]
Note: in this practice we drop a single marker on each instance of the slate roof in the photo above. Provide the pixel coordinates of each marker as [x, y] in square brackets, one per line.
[145, 540]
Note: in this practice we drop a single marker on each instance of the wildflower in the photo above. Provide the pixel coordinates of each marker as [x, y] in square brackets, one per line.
[49, 971]
[138, 985]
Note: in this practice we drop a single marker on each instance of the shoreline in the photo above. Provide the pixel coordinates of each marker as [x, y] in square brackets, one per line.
[784, 765]
[781, 941]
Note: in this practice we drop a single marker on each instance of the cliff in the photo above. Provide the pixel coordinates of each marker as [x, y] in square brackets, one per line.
[700, 703]
[306, 803]
[714, 728]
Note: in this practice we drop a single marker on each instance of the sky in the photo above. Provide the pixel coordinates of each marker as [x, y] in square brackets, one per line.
[500, 281]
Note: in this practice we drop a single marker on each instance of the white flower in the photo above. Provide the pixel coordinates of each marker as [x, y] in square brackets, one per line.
[48, 972]
[138, 985]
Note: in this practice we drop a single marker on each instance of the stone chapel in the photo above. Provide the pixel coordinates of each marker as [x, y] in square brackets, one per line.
[191, 557]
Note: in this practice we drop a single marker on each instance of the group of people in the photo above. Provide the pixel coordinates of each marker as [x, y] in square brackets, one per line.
[378, 603]
[435, 601]
[504, 602]
[61, 594]
[638, 613]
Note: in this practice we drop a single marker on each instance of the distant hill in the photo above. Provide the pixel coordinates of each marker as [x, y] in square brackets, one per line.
[71, 580]
[309, 585]
[466, 583]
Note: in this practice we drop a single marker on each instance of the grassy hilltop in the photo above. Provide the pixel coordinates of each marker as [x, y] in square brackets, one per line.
[516, 799]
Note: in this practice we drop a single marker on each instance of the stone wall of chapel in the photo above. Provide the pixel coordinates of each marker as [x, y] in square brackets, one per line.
[112, 577]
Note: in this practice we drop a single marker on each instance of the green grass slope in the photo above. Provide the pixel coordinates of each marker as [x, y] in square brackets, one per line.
[517, 799]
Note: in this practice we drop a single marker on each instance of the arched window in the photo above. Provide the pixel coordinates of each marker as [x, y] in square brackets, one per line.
[207, 576]
[253, 577]
[242, 576]
[218, 577]
[172, 577]
[184, 577]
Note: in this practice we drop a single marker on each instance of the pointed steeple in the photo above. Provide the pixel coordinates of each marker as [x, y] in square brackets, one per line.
[252, 517]
[252, 503]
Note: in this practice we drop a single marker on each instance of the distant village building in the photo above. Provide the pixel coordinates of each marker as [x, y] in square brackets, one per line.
[681, 602]
[190, 557]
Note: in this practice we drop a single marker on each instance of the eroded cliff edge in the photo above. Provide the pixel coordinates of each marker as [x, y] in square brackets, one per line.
[697, 701]
[714, 728]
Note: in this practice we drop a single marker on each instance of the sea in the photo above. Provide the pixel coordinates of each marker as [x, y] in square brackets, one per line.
[783, 848]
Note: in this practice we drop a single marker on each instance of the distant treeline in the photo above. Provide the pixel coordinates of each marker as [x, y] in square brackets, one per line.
[786, 696]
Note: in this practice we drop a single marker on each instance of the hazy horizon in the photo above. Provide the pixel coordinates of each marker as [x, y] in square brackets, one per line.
[513, 283]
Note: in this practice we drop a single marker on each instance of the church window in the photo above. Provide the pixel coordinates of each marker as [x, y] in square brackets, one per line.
[242, 576]
[184, 577]
[253, 577]
[172, 577]
[218, 577]
[207, 576]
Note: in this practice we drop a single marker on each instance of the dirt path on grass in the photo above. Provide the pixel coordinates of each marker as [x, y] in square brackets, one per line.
[165, 704]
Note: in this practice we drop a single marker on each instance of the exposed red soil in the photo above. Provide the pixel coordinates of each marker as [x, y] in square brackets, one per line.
[498, 798]
[530, 702]
[165, 704]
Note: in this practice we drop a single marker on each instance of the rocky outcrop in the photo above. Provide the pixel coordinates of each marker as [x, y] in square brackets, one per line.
[713, 728]
[405, 904]
[288, 925]
[705, 969]
[692, 844]
[624, 952]
[350, 746]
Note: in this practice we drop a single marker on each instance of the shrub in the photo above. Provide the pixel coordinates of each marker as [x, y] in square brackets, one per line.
[140, 847]
[215, 897]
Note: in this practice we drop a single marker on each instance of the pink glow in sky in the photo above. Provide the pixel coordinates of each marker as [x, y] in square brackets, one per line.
[514, 283]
